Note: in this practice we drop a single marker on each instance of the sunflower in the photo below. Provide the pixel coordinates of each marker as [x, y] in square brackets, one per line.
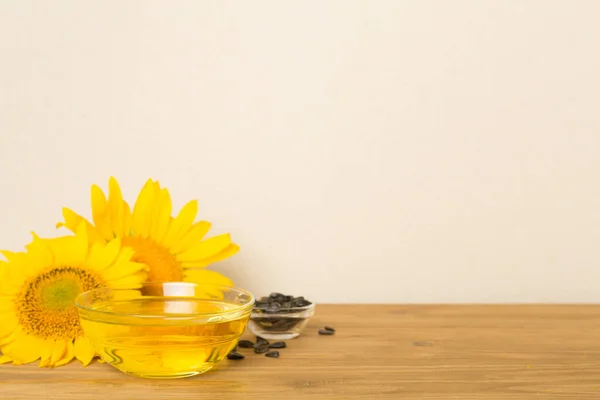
[37, 292]
[172, 247]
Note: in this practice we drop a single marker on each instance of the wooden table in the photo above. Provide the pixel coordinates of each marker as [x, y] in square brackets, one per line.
[379, 352]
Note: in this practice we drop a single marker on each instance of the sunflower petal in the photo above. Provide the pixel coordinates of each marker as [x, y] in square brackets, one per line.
[181, 223]
[11, 274]
[46, 353]
[24, 349]
[115, 207]
[83, 350]
[160, 223]
[101, 256]
[39, 256]
[7, 306]
[9, 335]
[126, 219]
[206, 277]
[70, 250]
[10, 255]
[101, 214]
[132, 281]
[122, 270]
[73, 220]
[192, 237]
[124, 256]
[142, 210]
[205, 249]
[58, 349]
[67, 356]
[226, 253]
[5, 359]
[98, 204]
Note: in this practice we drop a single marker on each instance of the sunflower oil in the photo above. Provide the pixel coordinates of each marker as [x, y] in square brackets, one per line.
[158, 337]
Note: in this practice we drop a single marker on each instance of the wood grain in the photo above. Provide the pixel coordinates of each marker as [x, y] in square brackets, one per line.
[379, 352]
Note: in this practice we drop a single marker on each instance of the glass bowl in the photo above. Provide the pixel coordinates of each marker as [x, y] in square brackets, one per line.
[164, 330]
[282, 324]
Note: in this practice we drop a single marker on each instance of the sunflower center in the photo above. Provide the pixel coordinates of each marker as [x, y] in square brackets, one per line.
[59, 294]
[46, 306]
[163, 267]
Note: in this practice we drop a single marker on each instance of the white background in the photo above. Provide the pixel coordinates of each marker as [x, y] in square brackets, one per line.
[358, 151]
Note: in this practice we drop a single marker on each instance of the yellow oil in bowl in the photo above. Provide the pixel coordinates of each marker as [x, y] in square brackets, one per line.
[170, 330]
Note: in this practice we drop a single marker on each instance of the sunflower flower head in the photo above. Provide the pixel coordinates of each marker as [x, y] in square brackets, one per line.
[37, 292]
[173, 248]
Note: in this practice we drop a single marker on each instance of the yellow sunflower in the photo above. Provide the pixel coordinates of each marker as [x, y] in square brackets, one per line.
[37, 292]
[172, 247]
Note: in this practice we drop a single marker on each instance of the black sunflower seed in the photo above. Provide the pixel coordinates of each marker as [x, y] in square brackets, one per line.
[245, 344]
[272, 354]
[328, 328]
[278, 345]
[261, 348]
[325, 332]
[275, 295]
[234, 355]
[260, 340]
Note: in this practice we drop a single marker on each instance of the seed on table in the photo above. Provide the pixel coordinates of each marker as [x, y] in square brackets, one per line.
[272, 354]
[261, 348]
[278, 345]
[325, 332]
[260, 340]
[245, 344]
[275, 295]
[234, 355]
[329, 329]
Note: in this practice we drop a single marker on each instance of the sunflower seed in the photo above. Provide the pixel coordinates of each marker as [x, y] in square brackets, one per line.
[261, 348]
[272, 354]
[328, 328]
[325, 332]
[245, 344]
[234, 355]
[260, 340]
[275, 295]
[278, 345]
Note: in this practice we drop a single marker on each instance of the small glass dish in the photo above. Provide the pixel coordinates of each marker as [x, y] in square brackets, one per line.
[164, 330]
[283, 324]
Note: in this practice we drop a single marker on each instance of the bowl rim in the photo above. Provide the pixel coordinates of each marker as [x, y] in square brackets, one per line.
[238, 309]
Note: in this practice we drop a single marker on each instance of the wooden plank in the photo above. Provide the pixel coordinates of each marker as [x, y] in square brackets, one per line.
[379, 352]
